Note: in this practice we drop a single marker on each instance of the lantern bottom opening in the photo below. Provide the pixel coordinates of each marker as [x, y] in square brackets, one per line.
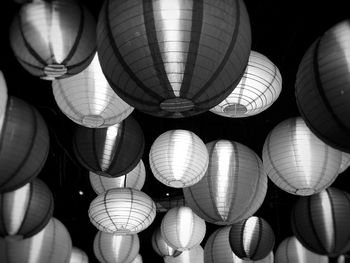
[93, 121]
[305, 191]
[236, 109]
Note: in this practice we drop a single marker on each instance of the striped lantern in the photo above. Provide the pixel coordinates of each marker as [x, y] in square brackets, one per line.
[53, 39]
[110, 248]
[194, 255]
[230, 190]
[113, 151]
[182, 229]
[178, 158]
[322, 86]
[257, 90]
[164, 204]
[138, 259]
[345, 162]
[321, 221]
[78, 256]
[297, 161]
[3, 99]
[52, 244]
[122, 211]
[24, 145]
[161, 247]
[87, 99]
[173, 58]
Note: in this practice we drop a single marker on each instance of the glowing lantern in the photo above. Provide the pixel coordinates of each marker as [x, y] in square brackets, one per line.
[122, 211]
[257, 90]
[54, 39]
[297, 161]
[3, 99]
[194, 255]
[113, 151]
[138, 259]
[78, 256]
[161, 247]
[24, 145]
[345, 162]
[229, 190]
[178, 158]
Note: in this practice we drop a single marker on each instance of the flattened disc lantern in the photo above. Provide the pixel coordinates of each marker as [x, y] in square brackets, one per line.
[173, 58]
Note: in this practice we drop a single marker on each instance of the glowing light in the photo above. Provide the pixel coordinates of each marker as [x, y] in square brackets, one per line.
[250, 229]
[327, 218]
[185, 227]
[56, 37]
[36, 243]
[181, 152]
[81, 192]
[111, 138]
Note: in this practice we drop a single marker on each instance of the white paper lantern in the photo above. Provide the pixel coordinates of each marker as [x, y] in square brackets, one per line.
[78, 256]
[138, 259]
[161, 247]
[3, 99]
[194, 255]
[345, 162]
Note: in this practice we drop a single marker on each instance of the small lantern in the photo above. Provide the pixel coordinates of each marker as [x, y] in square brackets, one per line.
[161, 247]
[3, 100]
[138, 259]
[78, 256]
[194, 255]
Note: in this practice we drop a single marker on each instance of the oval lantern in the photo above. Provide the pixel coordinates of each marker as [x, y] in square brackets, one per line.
[229, 190]
[3, 99]
[194, 255]
[171, 59]
[345, 162]
[257, 90]
[24, 145]
[54, 39]
[78, 256]
[321, 221]
[112, 151]
[161, 247]
[87, 99]
[122, 211]
[297, 161]
[322, 87]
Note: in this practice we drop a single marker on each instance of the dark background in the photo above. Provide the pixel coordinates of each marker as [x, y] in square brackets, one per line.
[282, 30]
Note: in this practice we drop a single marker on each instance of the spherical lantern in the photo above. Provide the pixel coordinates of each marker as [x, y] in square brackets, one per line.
[110, 248]
[297, 161]
[122, 211]
[24, 145]
[161, 247]
[182, 229]
[178, 158]
[3, 99]
[138, 259]
[53, 39]
[194, 255]
[345, 162]
[229, 190]
[113, 151]
[87, 99]
[173, 58]
[321, 221]
[78, 256]
[257, 90]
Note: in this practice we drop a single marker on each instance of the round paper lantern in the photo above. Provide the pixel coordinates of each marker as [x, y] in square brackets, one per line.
[173, 58]
[257, 90]
[78, 256]
[321, 221]
[53, 39]
[229, 190]
[24, 145]
[3, 99]
[322, 87]
[178, 158]
[161, 247]
[345, 162]
[194, 255]
[164, 204]
[297, 161]
[110, 248]
[252, 238]
[122, 211]
[182, 229]
[113, 151]
[138, 259]
[87, 99]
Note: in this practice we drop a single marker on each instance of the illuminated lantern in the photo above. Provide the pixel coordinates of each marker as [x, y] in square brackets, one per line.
[194, 255]
[164, 204]
[78, 256]
[122, 211]
[182, 229]
[321, 221]
[138, 259]
[229, 190]
[53, 39]
[323, 87]
[178, 158]
[161, 247]
[3, 99]
[110, 248]
[113, 151]
[345, 162]
[257, 90]
[87, 99]
[24, 145]
[297, 161]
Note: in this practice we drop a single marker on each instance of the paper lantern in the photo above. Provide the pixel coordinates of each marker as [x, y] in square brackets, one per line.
[54, 39]
[113, 151]
[178, 158]
[194, 255]
[173, 58]
[164, 204]
[138, 259]
[3, 99]
[322, 87]
[182, 229]
[122, 211]
[87, 99]
[321, 221]
[229, 190]
[345, 162]
[24, 145]
[257, 90]
[52, 244]
[78, 256]
[110, 248]
[297, 161]
[161, 247]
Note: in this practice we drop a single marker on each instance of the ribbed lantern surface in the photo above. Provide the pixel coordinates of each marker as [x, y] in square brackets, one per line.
[178, 158]
[297, 161]
[122, 211]
[78, 256]
[3, 99]
[258, 89]
[194, 255]
[230, 190]
[53, 39]
[173, 58]
[161, 247]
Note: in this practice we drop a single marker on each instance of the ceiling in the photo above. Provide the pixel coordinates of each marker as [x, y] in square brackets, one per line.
[281, 30]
